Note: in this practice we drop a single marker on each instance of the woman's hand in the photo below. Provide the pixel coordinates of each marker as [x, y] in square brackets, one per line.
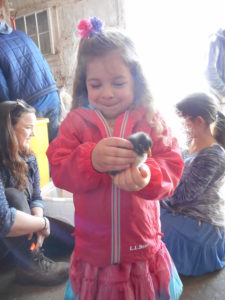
[41, 235]
[40, 240]
[133, 179]
[112, 154]
[46, 231]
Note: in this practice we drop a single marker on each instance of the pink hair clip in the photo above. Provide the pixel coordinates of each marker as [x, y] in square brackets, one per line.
[86, 28]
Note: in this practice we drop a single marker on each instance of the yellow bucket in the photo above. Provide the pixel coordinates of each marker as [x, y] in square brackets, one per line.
[39, 144]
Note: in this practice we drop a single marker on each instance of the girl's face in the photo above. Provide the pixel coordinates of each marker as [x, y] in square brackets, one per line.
[110, 85]
[24, 130]
[194, 127]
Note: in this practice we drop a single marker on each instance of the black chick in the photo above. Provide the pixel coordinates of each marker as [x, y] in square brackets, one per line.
[142, 144]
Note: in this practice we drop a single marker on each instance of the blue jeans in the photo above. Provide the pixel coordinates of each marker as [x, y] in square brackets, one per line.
[196, 247]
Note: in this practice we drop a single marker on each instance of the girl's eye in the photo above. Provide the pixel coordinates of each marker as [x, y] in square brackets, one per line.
[95, 86]
[118, 84]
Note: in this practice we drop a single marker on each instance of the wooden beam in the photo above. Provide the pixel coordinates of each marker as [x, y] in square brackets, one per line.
[4, 11]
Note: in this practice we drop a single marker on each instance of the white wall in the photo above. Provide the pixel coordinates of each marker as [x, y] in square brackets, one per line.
[173, 41]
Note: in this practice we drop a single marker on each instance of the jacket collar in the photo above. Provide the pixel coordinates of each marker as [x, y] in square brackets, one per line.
[134, 116]
[5, 28]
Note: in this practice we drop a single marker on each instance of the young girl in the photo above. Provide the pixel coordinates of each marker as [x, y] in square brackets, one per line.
[119, 253]
[193, 219]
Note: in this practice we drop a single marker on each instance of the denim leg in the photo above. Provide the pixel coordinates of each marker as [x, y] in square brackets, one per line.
[17, 246]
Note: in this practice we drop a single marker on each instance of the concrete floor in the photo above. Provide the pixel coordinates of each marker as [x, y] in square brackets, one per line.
[208, 287]
[17, 292]
[10, 290]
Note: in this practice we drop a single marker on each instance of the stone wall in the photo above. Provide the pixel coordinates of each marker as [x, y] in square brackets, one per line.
[64, 16]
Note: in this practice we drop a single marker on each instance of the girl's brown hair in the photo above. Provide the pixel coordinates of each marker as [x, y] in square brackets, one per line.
[100, 44]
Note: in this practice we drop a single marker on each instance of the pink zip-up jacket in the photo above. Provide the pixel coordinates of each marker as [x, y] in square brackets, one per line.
[112, 225]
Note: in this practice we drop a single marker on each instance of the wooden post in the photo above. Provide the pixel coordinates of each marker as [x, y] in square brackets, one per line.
[4, 11]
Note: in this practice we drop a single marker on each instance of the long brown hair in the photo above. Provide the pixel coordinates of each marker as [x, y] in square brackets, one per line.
[99, 44]
[10, 156]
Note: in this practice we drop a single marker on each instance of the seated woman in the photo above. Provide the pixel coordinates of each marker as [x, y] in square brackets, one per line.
[21, 206]
[193, 219]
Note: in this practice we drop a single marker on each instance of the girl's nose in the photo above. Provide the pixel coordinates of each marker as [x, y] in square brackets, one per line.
[32, 133]
[107, 91]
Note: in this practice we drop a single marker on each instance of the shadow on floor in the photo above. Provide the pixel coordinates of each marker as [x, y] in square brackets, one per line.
[10, 290]
[207, 287]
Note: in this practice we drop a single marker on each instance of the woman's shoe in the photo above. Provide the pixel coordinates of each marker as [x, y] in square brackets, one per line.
[42, 270]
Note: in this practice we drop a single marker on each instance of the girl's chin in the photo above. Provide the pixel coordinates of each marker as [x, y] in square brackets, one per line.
[111, 114]
[25, 148]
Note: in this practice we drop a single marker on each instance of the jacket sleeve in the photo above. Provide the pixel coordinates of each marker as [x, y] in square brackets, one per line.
[7, 214]
[36, 199]
[197, 177]
[166, 166]
[4, 92]
[212, 75]
[70, 160]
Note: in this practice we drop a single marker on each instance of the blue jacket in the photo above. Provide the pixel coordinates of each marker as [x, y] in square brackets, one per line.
[7, 214]
[24, 72]
[215, 72]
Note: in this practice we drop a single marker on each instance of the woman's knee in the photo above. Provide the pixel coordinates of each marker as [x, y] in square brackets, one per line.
[17, 199]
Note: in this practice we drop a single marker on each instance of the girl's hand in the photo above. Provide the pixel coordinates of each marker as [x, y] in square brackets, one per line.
[133, 179]
[112, 154]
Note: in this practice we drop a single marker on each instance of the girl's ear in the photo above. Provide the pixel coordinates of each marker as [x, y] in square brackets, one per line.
[199, 121]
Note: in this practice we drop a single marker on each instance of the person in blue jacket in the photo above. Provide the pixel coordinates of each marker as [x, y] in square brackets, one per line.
[215, 71]
[23, 226]
[25, 74]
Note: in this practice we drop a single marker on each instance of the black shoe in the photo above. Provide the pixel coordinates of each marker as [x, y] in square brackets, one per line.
[42, 271]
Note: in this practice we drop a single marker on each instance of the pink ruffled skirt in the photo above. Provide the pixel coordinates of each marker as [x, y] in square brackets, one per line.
[155, 278]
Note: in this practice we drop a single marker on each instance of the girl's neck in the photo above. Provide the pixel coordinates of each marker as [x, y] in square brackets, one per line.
[111, 122]
[200, 143]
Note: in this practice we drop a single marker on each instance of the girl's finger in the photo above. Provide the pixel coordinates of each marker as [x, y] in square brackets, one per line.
[143, 172]
[118, 142]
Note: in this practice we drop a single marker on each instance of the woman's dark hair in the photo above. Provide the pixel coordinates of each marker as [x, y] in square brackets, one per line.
[101, 44]
[203, 105]
[10, 155]
[219, 129]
